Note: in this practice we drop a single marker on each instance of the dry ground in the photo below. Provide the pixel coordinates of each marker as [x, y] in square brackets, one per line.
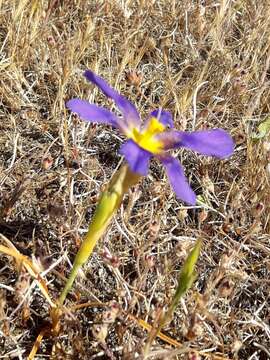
[203, 60]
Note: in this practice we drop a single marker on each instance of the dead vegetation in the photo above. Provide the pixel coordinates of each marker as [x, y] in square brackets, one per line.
[208, 63]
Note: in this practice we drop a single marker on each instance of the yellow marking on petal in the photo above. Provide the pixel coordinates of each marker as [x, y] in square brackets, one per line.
[146, 139]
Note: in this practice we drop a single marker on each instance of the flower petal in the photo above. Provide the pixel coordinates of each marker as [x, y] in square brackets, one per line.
[215, 142]
[178, 180]
[92, 113]
[165, 117]
[137, 158]
[125, 106]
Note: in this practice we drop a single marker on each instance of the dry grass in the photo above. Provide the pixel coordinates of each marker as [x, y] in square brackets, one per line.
[208, 64]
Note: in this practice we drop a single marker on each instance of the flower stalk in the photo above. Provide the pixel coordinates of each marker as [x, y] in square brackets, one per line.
[109, 202]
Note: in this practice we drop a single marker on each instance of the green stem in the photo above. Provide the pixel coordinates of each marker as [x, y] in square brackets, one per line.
[109, 202]
[69, 283]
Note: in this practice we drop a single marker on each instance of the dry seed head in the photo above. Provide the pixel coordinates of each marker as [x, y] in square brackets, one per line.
[100, 332]
[203, 215]
[239, 87]
[236, 346]
[22, 285]
[268, 169]
[226, 288]
[158, 312]
[203, 113]
[111, 314]
[226, 261]
[157, 188]
[240, 138]
[47, 162]
[25, 314]
[150, 261]
[239, 231]
[258, 210]
[182, 214]
[151, 43]
[194, 356]
[51, 40]
[110, 259]
[194, 332]
[266, 146]
[167, 41]
[58, 351]
[227, 227]
[3, 303]
[208, 184]
[134, 78]
[154, 228]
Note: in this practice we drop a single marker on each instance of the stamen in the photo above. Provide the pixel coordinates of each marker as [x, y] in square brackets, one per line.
[146, 138]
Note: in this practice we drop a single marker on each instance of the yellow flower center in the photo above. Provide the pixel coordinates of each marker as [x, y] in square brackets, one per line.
[146, 139]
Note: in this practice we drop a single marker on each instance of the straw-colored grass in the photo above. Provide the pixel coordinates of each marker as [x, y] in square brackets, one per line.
[208, 63]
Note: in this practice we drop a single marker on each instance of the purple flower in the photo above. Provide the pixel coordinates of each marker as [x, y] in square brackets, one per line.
[154, 138]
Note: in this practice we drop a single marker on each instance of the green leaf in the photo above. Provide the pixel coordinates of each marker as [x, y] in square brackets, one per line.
[263, 129]
[201, 200]
[187, 275]
[185, 281]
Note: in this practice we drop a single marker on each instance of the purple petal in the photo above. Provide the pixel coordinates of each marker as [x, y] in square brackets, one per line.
[215, 142]
[178, 180]
[137, 158]
[165, 117]
[125, 106]
[92, 113]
